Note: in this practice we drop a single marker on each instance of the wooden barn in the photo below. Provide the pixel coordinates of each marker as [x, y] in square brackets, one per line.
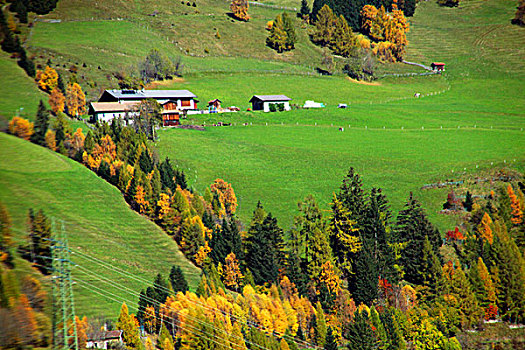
[107, 111]
[263, 102]
[214, 105]
[438, 66]
[170, 113]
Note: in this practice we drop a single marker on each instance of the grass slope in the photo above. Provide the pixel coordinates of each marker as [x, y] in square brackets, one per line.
[481, 93]
[17, 90]
[98, 221]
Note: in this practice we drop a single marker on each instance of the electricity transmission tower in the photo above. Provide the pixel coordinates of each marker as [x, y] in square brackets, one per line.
[64, 325]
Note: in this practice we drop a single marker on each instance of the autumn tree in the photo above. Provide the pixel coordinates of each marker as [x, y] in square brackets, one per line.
[75, 100]
[129, 326]
[51, 142]
[516, 212]
[5, 235]
[225, 195]
[232, 272]
[239, 9]
[277, 38]
[57, 101]
[324, 26]
[21, 127]
[47, 79]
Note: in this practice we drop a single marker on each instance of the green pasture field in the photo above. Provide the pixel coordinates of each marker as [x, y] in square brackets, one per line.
[97, 219]
[17, 90]
[480, 104]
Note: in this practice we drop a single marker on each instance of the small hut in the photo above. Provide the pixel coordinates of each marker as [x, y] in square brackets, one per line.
[437, 66]
[214, 105]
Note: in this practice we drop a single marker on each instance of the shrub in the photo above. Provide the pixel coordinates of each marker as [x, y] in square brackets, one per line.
[280, 107]
[273, 108]
[448, 3]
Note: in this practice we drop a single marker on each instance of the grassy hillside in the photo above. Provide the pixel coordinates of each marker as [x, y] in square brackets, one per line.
[481, 103]
[98, 221]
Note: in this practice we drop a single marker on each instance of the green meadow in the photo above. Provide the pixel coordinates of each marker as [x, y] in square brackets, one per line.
[98, 223]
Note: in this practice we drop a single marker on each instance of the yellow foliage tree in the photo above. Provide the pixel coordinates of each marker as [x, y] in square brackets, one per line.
[240, 9]
[21, 127]
[51, 141]
[202, 254]
[75, 100]
[232, 272]
[56, 101]
[226, 195]
[47, 79]
[140, 199]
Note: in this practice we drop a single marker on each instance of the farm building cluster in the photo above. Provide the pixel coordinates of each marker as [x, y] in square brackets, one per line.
[175, 105]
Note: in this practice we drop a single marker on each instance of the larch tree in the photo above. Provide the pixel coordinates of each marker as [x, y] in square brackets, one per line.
[277, 38]
[516, 212]
[232, 272]
[239, 9]
[21, 127]
[129, 326]
[57, 101]
[226, 195]
[324, 26]
[75, 100]
[47, 79]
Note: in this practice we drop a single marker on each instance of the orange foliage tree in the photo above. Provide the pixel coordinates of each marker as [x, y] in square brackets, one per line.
[47, 79]
[225, 194]
[485, 230]
[75, 100]
[51, 141]
[21, 127]
[56, 101]
[240, 9]
[516, 213]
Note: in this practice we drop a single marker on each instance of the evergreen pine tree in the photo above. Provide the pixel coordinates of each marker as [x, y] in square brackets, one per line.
[40, 234]
[167, 175]
[41, 7]
[41, 125]
[20, 9]
[60, 84]
[180, 179]
[305, 9]
[411, 228]
[160, 289]
[363, 283]
[142, 305]
[264, 250]
[9, 44]
[359, 333]
[177, 280]
[145, 162]
[409, 8]
[26, 63]
[467, 204]
[351, 195]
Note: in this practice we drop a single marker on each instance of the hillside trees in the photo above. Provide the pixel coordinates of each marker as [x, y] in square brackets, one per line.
[282, 35]
[239, 9]
[41, 125]
[75, 100]
[21, 127]
[334, 32]
[57, 101]
[156, 66]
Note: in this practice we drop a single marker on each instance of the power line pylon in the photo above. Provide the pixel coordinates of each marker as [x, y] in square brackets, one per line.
[64, 325]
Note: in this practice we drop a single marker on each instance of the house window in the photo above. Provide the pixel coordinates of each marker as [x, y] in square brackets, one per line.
[185, 103]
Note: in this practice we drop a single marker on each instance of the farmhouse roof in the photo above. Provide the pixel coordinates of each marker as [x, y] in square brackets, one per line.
[143, 94]
[104, 335]
[214, 100]
[99, 107]
[269, 98]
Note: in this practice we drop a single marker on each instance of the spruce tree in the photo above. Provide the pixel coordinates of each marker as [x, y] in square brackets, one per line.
[409, 8]
[9, 44]
[60, 84]
[160, 288]
[20, 9]
[359, 333]
[305, 9]
[167, 175]
[264, 251]
[363, 283]
[142, 305]
[351, 195]
[467, 204]
[39, 235]
[41, 125]
[411, 228]
[320, 330]
[177, 280]
[26, 63]
[145, 162]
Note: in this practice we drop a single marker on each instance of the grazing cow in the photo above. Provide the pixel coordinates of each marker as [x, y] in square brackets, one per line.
[341, 129]
[417, 94]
